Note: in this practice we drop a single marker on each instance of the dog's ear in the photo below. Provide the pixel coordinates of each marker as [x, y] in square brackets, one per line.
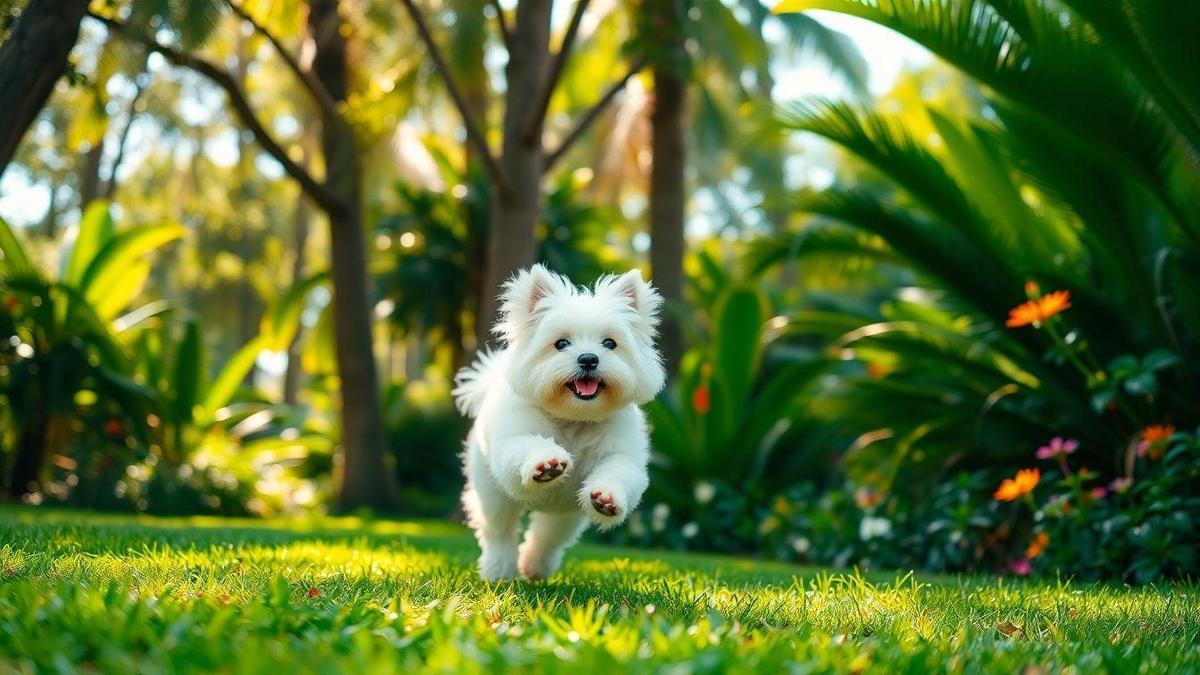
[521, 296]
[640, 295]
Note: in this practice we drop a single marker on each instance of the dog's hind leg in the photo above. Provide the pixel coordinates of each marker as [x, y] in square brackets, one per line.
[548, 536]
[496, 519]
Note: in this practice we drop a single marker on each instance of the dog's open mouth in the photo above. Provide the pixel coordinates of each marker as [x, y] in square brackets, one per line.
[586, 388]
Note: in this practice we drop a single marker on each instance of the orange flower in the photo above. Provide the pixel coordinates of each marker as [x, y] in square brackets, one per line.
[1014, 488]
[314, 592]
[701, 400]
[877, 371]
[1158, 433]
[1037, 311]
[1154, 440]
[1037, 545]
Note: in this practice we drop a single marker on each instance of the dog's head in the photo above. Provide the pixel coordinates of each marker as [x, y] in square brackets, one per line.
[581, 354]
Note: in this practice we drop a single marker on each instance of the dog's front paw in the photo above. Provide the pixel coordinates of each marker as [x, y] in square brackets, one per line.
[544, 467]
[544, 472]
[606, 506]
[603, 503]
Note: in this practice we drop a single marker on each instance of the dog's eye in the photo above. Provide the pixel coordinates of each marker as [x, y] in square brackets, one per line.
[609, 343]
[562, 344]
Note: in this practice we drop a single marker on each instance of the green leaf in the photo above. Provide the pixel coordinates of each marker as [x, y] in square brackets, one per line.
[319, 354]
[189, 369]
[124, 290]
[281, 321]
[95, 230]
[1102, 398]
[89, 121]
[1159, 359]
[226, 384]
[1123, 366]
[13, 261]
[115, 257]
[1142, 384]
[737, 341]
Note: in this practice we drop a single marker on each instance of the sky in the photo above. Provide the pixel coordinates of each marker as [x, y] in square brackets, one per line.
[886, 53]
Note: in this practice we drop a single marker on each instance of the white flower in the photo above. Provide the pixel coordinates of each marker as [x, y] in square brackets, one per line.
[873, 526]
[704, 492]
[690, 530]
[800, 545]
[658, 518]
[636, 528]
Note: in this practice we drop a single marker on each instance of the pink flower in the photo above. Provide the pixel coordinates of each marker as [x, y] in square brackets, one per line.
[1099, 493]
[1121, 485]
[1057, 447]
[1020, 567]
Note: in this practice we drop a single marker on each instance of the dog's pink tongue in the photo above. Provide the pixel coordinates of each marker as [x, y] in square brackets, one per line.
[586, 386]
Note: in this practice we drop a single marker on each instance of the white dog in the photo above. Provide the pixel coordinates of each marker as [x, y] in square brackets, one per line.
[557, 426]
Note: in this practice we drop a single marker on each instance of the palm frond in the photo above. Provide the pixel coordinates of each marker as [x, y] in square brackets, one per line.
[1156, 42]
[1055, 68]
[811, 39]
[944, 255]
[813, 241]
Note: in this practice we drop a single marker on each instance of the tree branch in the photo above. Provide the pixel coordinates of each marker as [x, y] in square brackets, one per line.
[592, 114]
[474, 135]
[237, 98]
[110, 188]
[537, 114]
[502, 23]
[325, 103]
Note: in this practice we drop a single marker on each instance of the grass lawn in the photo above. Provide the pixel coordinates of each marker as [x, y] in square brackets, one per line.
[122, 594]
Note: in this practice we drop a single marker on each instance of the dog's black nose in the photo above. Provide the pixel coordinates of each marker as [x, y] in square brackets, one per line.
[589, 361]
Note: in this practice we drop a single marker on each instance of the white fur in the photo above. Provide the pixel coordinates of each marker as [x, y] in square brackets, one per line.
[525, 415]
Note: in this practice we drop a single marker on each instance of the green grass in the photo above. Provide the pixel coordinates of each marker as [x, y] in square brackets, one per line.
[118, 594]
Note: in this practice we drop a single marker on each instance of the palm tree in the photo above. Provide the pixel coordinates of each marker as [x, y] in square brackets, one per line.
[1086, 180]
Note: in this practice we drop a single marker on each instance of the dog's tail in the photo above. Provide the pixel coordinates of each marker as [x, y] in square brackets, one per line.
[471, 384]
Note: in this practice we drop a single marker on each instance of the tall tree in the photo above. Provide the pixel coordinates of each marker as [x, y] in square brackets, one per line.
[532, 74]
[31, 60]
[668, 197]
[364, 477]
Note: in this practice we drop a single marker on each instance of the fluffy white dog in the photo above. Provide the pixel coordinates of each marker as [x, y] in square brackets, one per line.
[557, 426]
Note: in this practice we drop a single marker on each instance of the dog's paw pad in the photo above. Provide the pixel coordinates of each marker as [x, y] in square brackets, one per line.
[603, 503]
[548, 470]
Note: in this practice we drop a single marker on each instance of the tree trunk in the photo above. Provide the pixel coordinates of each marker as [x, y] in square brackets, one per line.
[668, 198]
[469, 43]
[31, 60]
[30, 450]
[516, 204]
[89, 174]
[300, 218]
[49, 224]
[365, 479]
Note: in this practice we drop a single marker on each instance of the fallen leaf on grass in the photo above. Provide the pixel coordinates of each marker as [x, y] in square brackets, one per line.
[1009, 629]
